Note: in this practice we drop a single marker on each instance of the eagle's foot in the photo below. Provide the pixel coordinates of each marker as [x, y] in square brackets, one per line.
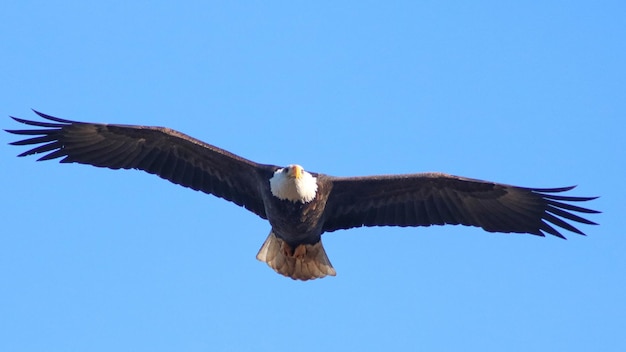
[286, 249]
[300, 252]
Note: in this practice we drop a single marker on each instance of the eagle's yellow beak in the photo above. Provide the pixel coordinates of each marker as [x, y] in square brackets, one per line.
[296, 171]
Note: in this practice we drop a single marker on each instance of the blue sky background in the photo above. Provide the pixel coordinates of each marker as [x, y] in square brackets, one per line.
[527, 94]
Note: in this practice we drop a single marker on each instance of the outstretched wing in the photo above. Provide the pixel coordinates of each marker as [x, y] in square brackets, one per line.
[438, 199]
[169, 154]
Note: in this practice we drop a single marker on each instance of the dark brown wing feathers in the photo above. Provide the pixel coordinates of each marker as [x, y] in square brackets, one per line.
[162, 151]
[437, 199]
[393, 200]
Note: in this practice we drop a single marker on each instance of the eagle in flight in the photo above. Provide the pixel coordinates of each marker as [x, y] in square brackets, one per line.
[299, 205]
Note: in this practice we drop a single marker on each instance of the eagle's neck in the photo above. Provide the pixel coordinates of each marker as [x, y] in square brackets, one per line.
[294, 184]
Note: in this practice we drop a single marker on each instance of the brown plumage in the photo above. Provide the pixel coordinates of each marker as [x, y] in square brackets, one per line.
[294, 247]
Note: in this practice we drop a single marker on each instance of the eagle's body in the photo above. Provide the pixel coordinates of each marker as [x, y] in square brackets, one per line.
[301, 206]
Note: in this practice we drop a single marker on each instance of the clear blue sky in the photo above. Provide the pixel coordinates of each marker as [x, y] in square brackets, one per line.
[101, 260]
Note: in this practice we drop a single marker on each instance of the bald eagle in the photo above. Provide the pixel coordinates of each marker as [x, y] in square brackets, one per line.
[299, 205]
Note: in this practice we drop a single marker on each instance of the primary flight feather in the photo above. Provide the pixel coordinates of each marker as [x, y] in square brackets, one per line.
[299, 205]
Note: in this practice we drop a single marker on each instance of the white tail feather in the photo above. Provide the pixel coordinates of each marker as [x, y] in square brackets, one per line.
[306, 262]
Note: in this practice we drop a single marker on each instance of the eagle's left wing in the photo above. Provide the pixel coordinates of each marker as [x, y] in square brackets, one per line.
[437, 199]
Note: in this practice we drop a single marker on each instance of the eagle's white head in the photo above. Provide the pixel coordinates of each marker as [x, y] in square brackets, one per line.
[294, 184]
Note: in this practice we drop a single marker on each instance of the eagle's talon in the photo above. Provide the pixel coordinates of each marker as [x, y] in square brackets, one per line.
[300, 252]
[286, 248]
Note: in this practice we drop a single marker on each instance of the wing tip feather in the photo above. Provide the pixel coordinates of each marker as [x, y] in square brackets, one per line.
[52, 118]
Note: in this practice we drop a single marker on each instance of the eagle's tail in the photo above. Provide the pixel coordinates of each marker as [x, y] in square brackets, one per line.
[305, 262]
